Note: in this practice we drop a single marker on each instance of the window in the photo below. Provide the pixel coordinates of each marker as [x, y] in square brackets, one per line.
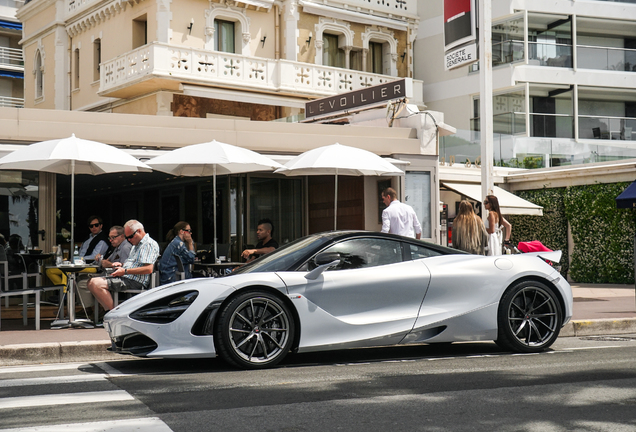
[367, 252]
[374, 58]
[140, 32]
[97, 58]
[419, 252]
[224, 31]
[355, 60]
[331, 54]
[39, 82]
[76, 70]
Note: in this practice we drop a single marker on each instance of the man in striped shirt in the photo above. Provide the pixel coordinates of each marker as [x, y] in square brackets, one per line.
[134, 273]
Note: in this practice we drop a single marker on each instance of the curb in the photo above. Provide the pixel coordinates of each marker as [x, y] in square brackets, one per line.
[86, 351]
[58, 352]
[596, 327]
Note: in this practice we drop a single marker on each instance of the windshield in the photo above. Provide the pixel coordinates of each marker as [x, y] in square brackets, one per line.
[285, 257]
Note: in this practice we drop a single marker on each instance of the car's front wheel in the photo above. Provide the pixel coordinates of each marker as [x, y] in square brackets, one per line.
[529, 317]
[255, 330]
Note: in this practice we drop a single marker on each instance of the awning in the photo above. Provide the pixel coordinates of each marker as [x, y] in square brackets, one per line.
[10, 25]
[11, 74]
[509, 203]
[627, 199]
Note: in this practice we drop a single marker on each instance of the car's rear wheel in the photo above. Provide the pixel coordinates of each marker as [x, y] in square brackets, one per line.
[529, 317]
[255, 330]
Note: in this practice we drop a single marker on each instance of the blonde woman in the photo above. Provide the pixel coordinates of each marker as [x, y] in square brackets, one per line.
[469, 233]
[495, 225]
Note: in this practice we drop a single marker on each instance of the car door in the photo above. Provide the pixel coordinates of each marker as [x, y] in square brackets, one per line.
[372, 297]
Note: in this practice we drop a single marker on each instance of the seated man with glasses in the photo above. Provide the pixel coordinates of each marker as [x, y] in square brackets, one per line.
[120, 249]
[181, 245]
[135, 272]
[97, 243]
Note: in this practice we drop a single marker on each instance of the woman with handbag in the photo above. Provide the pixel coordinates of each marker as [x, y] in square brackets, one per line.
[496, 224]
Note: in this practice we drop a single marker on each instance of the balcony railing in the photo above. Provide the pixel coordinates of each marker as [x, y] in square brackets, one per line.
[160, 60]
[608, 128]
[550, 54]
[606, 58]
[11, 102]
[11, 57]
[511, 123]
[508, 51]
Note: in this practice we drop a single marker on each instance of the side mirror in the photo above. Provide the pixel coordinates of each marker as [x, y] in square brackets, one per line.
[323, 261]
[326, 258]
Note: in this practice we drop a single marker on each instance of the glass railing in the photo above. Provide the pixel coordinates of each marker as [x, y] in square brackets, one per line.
[508, 51]
[606, 58]
[552, 125]
[608, 128]
[550, 54]
[511, 123]
[529, 152]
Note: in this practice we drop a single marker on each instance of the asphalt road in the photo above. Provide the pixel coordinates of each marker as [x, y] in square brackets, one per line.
[581, 384]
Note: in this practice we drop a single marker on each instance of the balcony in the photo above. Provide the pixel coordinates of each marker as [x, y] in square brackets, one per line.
[11, 102]
[606, 58]
[11, 58]
[162, 66]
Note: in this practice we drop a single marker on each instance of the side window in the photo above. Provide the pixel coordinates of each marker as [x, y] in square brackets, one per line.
[418, 252]
[364, 253]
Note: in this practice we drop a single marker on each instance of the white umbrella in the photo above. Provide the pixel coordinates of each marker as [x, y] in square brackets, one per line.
[72, 156]
[339, 159]
[210, 159]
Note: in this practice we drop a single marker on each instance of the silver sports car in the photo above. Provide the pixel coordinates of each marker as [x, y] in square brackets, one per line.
[346, 289]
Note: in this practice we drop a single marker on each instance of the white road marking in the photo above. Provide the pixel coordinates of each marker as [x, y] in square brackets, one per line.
[65, 399]
[150, 424]
[110, 370]
[43, 367]
[52, 380]
[601, 347]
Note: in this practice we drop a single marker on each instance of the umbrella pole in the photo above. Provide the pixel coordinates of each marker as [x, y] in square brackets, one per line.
[70, 252]
[214, 205]
[335, 204]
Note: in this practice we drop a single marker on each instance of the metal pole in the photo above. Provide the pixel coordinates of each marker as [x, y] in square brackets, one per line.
[335, 204]
[214, 206]
[70, 252]
[485, 100]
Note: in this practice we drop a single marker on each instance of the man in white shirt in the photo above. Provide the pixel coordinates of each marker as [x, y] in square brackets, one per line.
[399, 218]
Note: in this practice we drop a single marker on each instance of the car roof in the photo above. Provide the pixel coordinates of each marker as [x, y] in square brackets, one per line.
[339, 235]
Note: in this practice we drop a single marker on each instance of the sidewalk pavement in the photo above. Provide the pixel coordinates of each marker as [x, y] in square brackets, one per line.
[598, 310]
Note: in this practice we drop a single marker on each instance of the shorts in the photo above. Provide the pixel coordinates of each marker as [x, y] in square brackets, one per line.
[117, 284]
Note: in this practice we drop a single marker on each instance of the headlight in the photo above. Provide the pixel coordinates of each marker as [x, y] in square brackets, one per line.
[167, 309]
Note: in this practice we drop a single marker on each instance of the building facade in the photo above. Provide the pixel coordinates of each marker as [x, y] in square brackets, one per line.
[564, 82]
[252, 59]
[11, 61]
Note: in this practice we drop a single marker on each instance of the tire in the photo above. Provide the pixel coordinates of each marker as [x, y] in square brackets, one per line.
[255, 330]
[529, 318]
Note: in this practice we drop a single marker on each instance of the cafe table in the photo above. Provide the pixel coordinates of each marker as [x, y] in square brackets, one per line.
[71, 290]
[39, 258]
[216, 269]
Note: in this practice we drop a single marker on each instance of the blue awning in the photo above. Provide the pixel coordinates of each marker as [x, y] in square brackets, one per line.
[11, 74]
[11, 25]
[627, 199]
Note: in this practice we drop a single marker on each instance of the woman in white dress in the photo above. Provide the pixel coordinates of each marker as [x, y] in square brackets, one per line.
[496, 224]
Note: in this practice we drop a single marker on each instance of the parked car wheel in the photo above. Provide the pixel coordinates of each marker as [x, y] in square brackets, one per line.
[255, 330]
[529, 317]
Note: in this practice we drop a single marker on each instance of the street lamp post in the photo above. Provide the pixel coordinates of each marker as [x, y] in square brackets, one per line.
[485, 97]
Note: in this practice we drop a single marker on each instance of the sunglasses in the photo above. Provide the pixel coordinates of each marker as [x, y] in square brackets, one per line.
[114, 237]
[94, 225]
[190, 231]
[132, 235]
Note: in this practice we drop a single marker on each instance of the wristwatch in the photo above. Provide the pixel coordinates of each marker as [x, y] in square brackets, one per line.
[125, 271]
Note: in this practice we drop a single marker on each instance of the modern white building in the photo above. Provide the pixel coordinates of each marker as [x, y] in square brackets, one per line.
[11, 62]
[564, 82]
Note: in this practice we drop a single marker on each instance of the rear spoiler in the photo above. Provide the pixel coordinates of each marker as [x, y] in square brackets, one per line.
[554, 256]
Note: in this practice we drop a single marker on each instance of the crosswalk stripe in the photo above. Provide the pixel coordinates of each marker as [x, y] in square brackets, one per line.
[38, 368]
[52, 380]
[65, 399]
[150, 424]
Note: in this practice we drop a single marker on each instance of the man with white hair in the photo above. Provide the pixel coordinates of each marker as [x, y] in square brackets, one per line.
[134, 273]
